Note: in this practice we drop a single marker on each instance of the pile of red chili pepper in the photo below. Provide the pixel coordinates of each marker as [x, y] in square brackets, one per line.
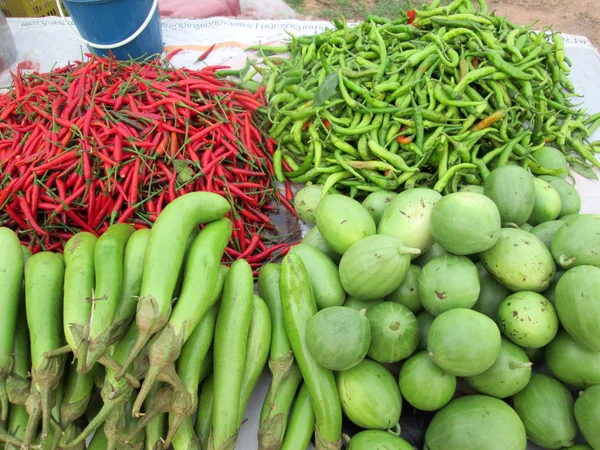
[104, 141]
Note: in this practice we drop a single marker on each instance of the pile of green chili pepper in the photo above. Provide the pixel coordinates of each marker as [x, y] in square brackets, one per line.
[437, 98]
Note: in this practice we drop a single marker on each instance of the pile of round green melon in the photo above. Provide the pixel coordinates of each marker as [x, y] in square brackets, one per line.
[478, 289]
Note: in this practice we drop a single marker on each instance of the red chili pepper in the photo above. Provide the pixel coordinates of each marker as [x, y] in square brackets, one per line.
[29, 216]
[289, 195]
[204, 55]
[412, 15]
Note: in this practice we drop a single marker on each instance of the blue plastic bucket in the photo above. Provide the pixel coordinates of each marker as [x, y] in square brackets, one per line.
[127, 28]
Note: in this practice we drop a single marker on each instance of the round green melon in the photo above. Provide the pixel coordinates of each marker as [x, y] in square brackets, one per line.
[375, 266]
[578, 305]
[376, 202]
[378, 440]
[316, 239]
[547, 203]
[343, 221]
[528, 319]
[520, 261]
[424, 385]
[306, 201]
[570, 201]
[571, 362]
[433, 252]
[512, 190]
[424, 319]
[546, 408]
[546, 231]
[359, 305]
[370, 396]
[587, 413]
[464, 342]
[553, 159]
[338, 337]
[465, 223]
[491, 294]
[394, 332]
[448, 282]
[477, 189]
[577, 243]
[476, 422]
[408, 216]
[407, 293]
[508, 375]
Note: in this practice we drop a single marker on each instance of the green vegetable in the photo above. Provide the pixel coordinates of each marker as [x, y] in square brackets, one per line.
[465, 223]
[528, 319]
[286, 376]
[375, 266]
[464, 342]
[44, 276]
[231, 332]
[370, 396]
[302, 422]
[571, 362]
[316, 239]
[547, 204]
[197, 296]
[513, 191]
[377, 440]
[448, 282]
[133, 266]
[257, 350]
[577, 306]
[576, 243]
[338, 337]
[394, 332]
[552, 158]
[323, 274]
[433, 252]
[509, 374]
[203, 423]
[343, 221]
[424, 385]
[299, 307]
[477, 422]
[108, 268]
[546, 408]
[491, 294]
[376, 202]
[11, 280]
[164, 259]
[520, 261]
[408, 216]
[407, 294]
[587, 413]
[570, 201]
[306, 201]
[546, 231]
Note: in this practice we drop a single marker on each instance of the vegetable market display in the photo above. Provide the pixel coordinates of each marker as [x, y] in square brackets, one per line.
[435, 99]
[100, 142]
[444, 292]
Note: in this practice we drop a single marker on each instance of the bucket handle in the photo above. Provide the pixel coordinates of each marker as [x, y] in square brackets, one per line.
[109, 46]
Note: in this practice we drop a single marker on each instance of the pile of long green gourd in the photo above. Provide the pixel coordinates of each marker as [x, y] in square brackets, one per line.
[437, 99]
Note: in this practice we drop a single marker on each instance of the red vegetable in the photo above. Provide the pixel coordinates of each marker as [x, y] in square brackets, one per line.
[104, 141]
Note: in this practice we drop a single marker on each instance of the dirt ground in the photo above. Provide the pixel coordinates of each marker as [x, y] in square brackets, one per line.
[581, 17]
